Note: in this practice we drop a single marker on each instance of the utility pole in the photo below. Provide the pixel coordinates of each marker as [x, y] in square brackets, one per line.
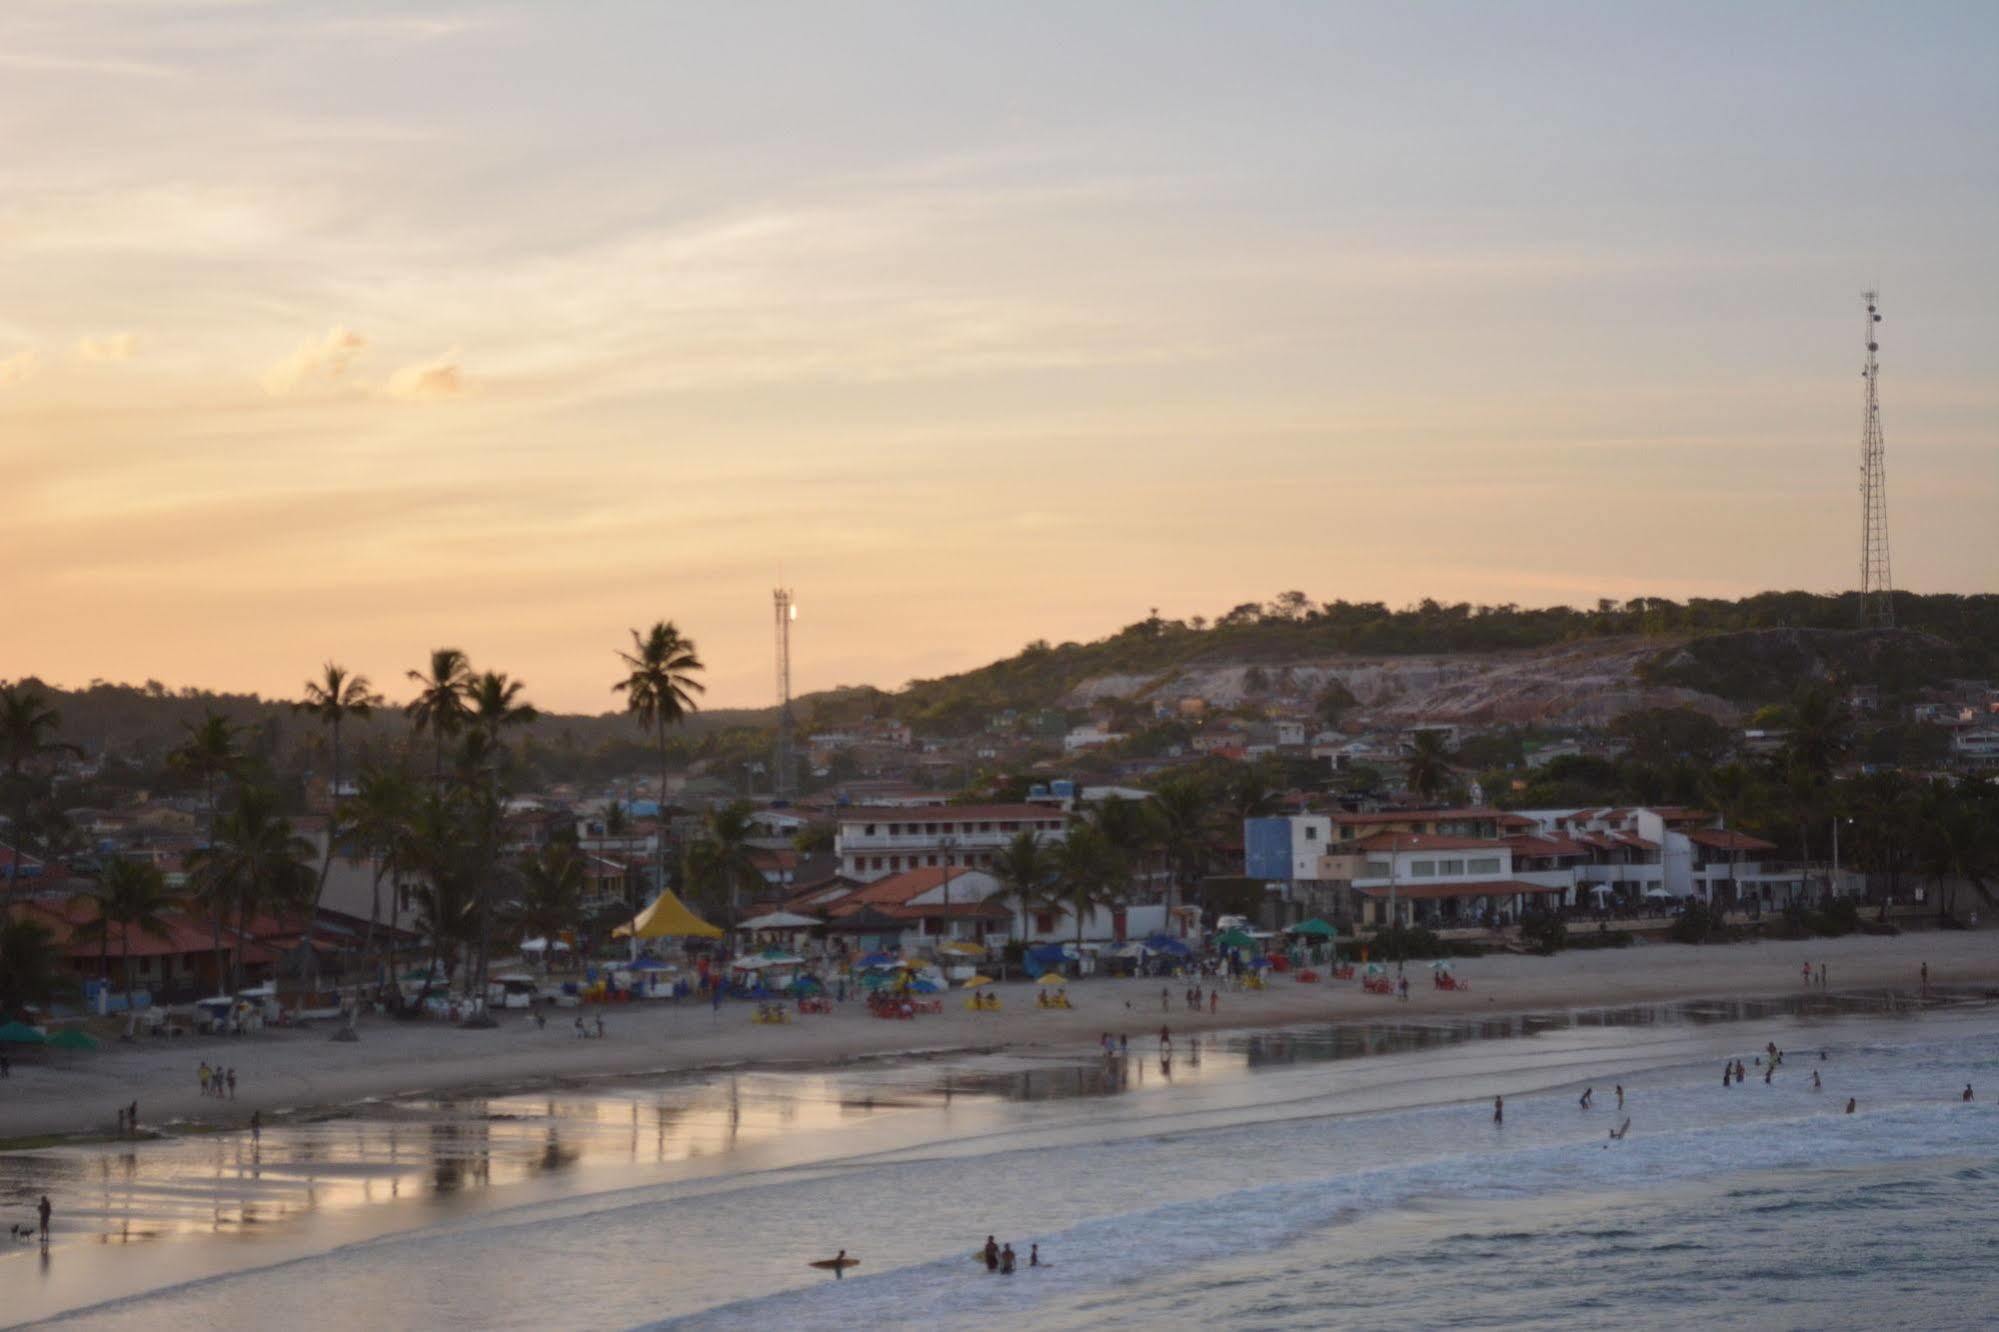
[1877, 586]
[782, 787]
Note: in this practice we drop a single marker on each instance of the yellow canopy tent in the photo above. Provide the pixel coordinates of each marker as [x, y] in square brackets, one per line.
[666, 918]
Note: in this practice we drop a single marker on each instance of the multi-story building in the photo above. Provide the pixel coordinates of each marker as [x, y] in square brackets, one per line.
[877, 841]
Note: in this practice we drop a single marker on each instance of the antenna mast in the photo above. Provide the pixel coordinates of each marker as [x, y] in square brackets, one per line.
[1877, 587]
[782, 783]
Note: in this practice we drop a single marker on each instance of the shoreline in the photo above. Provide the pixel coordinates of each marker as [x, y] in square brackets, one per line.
[295, 1073]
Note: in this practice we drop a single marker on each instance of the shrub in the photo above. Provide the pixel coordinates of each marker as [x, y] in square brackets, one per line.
[1544, 932]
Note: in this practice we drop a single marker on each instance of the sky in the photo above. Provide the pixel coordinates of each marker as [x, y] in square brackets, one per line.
[345, 331]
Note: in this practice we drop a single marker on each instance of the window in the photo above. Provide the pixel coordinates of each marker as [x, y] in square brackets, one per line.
[1377, 869]
[1311, 834]
[868, 831]
[1448, 867]
[930, 860]
[1483, 865]
[1044, 922]
[895, 863]
[1423, 869]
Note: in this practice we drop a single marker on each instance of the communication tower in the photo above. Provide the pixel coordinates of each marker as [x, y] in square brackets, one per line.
[786, 612]
[1877, 587]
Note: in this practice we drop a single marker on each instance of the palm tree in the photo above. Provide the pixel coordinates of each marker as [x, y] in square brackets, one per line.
[1090, 873]
[1181, 811]
[378, 821]
[1127, 827]
[30, 964]
[209, 753]
[133, 895]
[439, 706]
[659, 691]
[1024, 869]
[1429, 764]
[256, 861]
[332, 699]
[494, 704]
[28, 725]
[550, 900]
[434, 848]
[723, 860]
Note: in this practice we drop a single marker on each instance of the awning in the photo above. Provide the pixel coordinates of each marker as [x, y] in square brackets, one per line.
[666, 918]
[779, 920]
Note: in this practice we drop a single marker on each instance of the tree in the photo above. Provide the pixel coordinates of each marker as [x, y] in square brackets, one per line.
[435, 849]
[1090, 873]
[1820, 732]
[209, 753]
[28, 727]
[1960, 842]
[659, 690]
[1731, 789]
[256, 862]
[1181, 810]
[332, 699]
[1429, 764]
[549, 901]
[722, 860]
[439, 706]
[132, 895]
[378, 822]
[494, 704]
[1024, 869]
[30, 964]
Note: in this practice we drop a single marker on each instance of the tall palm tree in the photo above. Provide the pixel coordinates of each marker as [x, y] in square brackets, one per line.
[1429, 764]
[133, 895]
[1024, 869]
[378, 822]
[549, 901]
[435, 849]
[1090, 873]
[439, 706]
[495, 704]
[1181, 810]
[28, 727]
[333, 698]
[1130, 832]
[724, 858]
[659, 689]
[210, 752]
[255, 862]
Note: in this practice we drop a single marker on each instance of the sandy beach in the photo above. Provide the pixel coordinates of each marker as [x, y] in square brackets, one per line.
[282, 1072]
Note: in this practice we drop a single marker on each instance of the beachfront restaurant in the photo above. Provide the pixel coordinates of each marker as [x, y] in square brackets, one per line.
[1461, 905]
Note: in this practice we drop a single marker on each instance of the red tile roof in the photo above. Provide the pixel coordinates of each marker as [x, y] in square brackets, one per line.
[899, 889]
[1728, 839]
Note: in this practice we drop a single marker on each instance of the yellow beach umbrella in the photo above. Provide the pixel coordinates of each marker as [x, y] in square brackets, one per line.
[1051, 978]
[977, 981]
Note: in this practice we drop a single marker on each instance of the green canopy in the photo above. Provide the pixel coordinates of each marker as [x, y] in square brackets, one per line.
[1316, 928]
[20, 1033]
[1235, 939]
[72, 1040]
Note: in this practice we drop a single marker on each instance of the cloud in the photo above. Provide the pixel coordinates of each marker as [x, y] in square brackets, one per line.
[325, 360]
[116, 347]
[19, 368]
[429, 380]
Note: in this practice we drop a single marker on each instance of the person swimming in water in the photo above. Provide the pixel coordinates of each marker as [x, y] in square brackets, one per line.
[1006, 1261]
[1728, 1075]
[1588, 1092]
[992, 1254]
[1967, 1092]
[1620, 1096]
[1034, 1255]
[1816, 1084]
[1499, 1109]
[1850, 1105]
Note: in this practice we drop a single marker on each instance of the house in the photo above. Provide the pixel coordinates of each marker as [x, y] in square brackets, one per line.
[931, 905]
[1976, 744]
[873, 842]
[1092, 735]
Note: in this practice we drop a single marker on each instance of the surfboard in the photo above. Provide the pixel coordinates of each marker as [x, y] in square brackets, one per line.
[835, 1264]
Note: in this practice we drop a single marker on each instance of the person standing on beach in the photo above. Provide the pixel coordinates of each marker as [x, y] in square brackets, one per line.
[1499, 1109]
[1165, 1038]
[132, 1117]
[1620, 1096]
[203, 1074]
[256, 1126]
[43, 1209]
[1214, 1001]
[231, 1079]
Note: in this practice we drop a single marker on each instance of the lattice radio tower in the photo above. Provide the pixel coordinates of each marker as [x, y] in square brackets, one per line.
[1877, 587]
[786, 613]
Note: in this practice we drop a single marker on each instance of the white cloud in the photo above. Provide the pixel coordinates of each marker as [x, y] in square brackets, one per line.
[114, 347]
[443, 377]
[325, 360]
[19, 368]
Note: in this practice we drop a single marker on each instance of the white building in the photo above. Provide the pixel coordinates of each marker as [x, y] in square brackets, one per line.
[877, 841]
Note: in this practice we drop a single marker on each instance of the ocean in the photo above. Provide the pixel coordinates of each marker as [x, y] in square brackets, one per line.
[1315, 1177]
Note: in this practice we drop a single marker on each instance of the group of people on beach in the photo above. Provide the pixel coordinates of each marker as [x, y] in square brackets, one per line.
[1000, 1257]
[218, 1082]
[1193, 999]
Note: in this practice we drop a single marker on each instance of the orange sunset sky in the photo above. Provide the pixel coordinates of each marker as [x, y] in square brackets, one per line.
[353, 330]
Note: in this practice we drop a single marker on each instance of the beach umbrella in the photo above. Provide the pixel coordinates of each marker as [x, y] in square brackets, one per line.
[977, 981]
[779, 920]
[962, 948]
[877, 960]
[1314, 928]
[1235, 939]
[20, 1033]
[72, 1040]
[1051, 978]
